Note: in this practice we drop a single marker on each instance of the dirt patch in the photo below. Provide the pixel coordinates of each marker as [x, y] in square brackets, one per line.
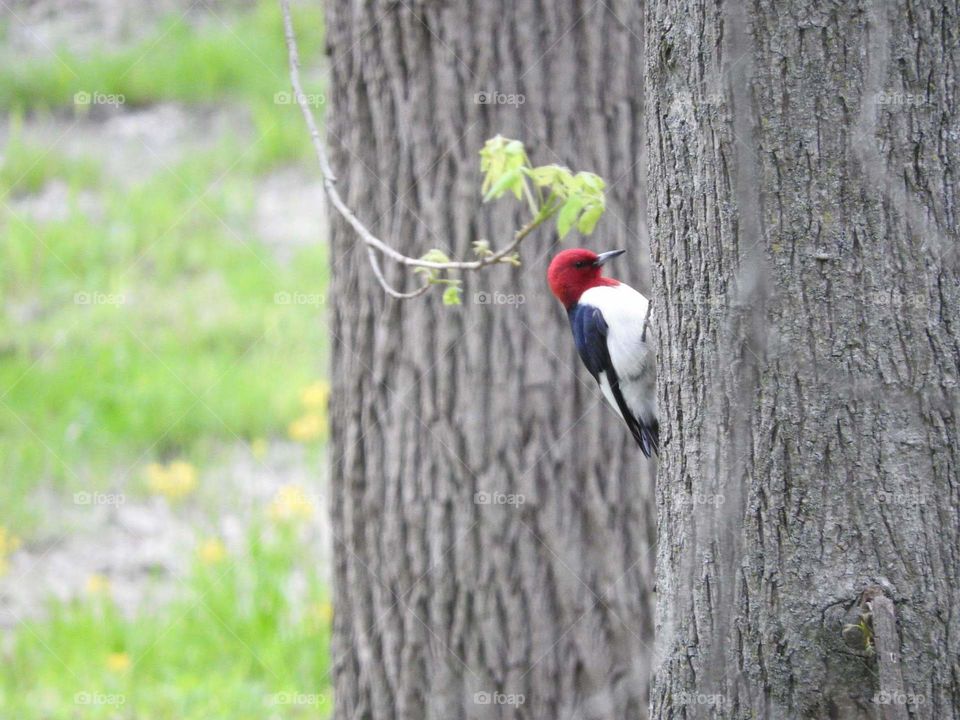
[133, 143]
[42, 27]
[291, 212]
[144, 546]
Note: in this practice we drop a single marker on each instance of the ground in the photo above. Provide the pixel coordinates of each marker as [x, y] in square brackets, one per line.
[162, 364]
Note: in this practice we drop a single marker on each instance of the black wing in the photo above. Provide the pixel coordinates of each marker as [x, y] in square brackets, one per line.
[590, 336]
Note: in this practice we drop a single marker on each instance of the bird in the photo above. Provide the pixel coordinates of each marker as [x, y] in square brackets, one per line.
[611, 329]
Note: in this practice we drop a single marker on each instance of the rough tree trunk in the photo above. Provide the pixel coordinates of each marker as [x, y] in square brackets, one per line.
[438, 597]
[804, 219]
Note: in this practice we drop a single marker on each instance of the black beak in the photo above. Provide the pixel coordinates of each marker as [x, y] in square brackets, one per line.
[603, 257]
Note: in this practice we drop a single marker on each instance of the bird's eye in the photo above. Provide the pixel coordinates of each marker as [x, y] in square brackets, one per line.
[579, 263]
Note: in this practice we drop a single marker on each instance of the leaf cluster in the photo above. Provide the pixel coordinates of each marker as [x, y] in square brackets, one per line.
[452, 291]
[576, 200]
[550, 191]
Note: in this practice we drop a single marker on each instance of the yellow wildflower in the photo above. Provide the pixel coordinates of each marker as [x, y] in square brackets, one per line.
[290, 503]
[324, 612]
[98, 584]
[118, 662]
[315, 395]
[8, 545]
[319, 615]
[258, 448]
[311, 426]
[211, 551]
[174, 482]
[156, 476]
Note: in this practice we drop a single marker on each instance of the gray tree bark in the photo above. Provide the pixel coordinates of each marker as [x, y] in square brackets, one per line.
[803, 215]
[443, 602]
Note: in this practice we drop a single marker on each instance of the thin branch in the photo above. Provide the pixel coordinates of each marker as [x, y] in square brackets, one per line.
[378, 273]
[372, 241]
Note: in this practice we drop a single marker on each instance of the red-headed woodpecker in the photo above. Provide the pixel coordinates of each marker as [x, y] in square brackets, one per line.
[609, 322]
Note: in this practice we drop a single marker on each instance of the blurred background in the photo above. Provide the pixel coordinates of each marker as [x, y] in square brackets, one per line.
[162, 364]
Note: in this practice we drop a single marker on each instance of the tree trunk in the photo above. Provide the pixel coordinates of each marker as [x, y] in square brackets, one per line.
[447, 606]
[804, 218]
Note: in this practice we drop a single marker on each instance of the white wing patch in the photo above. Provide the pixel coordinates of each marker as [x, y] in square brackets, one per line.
[608, 392]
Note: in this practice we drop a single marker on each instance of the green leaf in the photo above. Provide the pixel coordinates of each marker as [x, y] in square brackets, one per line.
[451, 296]
[432, 255]
[588, 221]
[567, 183]
[554, 176]
[435, 255]
[514, 147]
[591, 181]
[520, 186]
[576, 199]
[499, 156]
[492, 147]
[568, 214]
[541, 176]
[481, 248]
[510, 180]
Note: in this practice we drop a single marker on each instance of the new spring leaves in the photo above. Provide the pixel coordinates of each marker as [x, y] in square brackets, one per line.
[576, 200]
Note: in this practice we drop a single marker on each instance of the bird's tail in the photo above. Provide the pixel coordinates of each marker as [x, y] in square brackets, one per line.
[651, 435]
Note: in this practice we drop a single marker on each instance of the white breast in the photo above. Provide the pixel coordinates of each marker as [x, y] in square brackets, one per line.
[625, 312]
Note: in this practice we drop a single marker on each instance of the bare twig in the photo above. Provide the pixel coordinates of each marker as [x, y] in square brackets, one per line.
[372, 242]
[378, 273]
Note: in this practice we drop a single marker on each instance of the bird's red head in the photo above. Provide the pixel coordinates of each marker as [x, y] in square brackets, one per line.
[573, 271]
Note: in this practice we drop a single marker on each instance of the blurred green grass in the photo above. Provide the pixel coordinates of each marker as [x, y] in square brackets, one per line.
[240, 61]
[147, 328]
[233, 646]
[27, 167]
[152, 329]
[243, 58]
[146, 331]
